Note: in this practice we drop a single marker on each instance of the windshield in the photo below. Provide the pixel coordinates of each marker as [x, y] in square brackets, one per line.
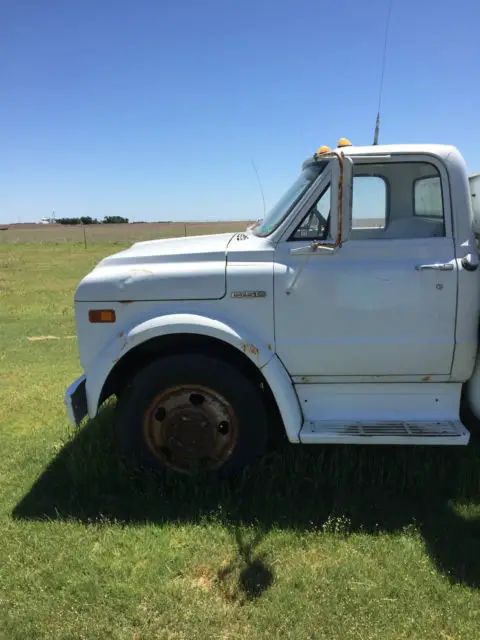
[286, 203]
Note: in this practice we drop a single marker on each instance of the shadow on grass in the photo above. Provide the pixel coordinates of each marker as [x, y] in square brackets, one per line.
[369, 489]
[254, 573]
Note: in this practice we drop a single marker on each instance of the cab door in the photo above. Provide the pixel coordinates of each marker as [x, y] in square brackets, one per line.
[383, 303]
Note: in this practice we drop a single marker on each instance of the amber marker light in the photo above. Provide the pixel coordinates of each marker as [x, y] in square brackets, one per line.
[101, 315]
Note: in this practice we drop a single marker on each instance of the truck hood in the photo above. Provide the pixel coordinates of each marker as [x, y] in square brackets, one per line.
[192, 268]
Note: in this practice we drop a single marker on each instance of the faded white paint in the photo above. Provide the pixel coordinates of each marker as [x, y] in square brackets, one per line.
[375, 337]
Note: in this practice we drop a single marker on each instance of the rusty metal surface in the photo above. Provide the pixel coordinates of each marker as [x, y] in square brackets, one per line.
[250, 348]
[338, 239]
[190, 428]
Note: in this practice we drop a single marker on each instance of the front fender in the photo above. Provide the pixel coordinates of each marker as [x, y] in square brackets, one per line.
[259, 353]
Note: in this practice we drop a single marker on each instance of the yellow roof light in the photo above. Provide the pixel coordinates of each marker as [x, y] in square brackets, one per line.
[344, 142]
[323, 149]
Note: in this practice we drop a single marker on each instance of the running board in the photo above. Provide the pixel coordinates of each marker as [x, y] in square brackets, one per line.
[445, 432]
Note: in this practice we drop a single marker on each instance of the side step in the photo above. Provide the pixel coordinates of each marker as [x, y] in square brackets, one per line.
[446, 432]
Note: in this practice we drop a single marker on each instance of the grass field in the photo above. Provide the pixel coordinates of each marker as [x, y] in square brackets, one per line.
[327, 542]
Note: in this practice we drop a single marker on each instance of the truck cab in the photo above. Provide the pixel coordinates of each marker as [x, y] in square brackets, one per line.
[349, 314]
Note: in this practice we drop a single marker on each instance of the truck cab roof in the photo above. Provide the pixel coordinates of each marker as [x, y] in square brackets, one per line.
[448, 154]
[440, 150]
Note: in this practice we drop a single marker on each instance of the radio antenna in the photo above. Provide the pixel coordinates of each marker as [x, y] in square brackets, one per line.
[387, 26]
[261, 188]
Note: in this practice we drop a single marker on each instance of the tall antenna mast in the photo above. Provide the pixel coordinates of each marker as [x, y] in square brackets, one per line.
[387, 25]
[261, 188]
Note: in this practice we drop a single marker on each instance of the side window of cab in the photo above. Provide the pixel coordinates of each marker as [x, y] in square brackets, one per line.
[397, 201]
[369, 202]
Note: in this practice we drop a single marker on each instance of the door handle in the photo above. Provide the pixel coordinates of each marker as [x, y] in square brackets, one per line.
[447, 266]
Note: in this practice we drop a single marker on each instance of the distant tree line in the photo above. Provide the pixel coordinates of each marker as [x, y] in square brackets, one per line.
[89, 220]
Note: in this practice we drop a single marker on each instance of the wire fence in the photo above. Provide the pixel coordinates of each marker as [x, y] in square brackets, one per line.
[111, 233]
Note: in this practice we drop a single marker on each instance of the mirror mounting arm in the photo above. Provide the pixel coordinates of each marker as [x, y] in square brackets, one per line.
[323, 245]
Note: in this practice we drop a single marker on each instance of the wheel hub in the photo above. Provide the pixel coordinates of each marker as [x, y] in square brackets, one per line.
[190, 428]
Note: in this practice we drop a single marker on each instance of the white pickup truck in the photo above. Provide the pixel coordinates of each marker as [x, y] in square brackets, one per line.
[349, 314]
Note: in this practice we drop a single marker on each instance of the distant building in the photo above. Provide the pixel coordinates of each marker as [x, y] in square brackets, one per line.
[48, 221]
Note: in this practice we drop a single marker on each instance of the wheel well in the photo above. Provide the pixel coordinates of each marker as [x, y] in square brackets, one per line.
[142, 355]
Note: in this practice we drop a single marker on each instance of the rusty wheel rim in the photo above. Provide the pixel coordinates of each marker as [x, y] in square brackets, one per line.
[190, 428]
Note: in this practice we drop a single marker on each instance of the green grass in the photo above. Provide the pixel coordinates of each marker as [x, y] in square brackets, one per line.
[324, 542]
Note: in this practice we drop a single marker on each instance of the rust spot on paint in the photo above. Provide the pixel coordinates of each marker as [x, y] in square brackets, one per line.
[253, 349]
[270, 347]
[121, 334]
[250, 348]
[426, 378]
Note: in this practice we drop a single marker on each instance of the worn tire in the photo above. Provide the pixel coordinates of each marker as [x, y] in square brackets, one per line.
[172, 372]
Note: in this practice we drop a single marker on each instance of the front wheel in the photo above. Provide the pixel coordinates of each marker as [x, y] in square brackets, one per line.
[467, 416]
[192, 413]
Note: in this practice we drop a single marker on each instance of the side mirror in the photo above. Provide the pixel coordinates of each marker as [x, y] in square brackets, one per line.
[345, 197]
[341, 205]
[340, 174]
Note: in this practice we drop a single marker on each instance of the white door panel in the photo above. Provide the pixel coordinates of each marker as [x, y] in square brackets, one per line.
[366, 309]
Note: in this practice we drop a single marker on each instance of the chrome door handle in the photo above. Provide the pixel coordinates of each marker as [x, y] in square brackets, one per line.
[448, 266]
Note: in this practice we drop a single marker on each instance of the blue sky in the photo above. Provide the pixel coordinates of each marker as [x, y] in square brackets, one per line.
[155, 109]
